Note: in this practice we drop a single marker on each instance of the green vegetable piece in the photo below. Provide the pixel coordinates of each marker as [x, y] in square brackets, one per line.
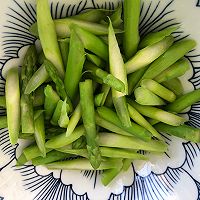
[21, 160]
[38, 78]
[126, 164]
[138, 118]
[184, 101]
[106, 78]
[131, 27]
[134, 129]
[57, 112]
[61, 140]
[92, 42]
[116, 17]
[2, 101]
[95, 60]
[118, 70]
[38, 97]
[158, 89]
[52, 156]
[26, 103]
[63, 27]
[80, 143]
[40, 131]
[64, 50]
[78, 152]
[174, 85]
[3, 122]
[101, 97]
[48, 36]
[53, 73]
[146, 56]
[154, 37]
[134, 78]
[53, 131]
[88, 116]
[50, 102]
[173, 54]
[121, 153]
[110, 126]
[108, 175]
[64, 119]
[120, 141]
[32, 151]
[144, 96]
[41, 58]
[83, 164]
[158, 114]
[178, 69]
[93, 15]
[12, 94]
[188, 133]
[74, 119]
[74, 65]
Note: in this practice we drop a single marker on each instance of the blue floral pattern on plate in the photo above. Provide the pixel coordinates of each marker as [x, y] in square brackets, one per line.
[163, 178]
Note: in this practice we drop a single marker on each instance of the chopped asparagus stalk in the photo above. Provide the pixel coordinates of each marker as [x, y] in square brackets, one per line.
[118, 70]
[110, 126]
[186, 132]
[73, 121]
[184, 101]
[134, 129]
[92, 43]
[116, 17]
[131, 27]
[178, 69]
[63, 27]
[57, 113]
[134, 78]
[96, 60]
[138, 118]
[78, 152]
[38, 97]
[173, 54]
[61, 140]
[53, 73]
[126, 164]
[79, 143]
[174, 85]
[88, 116]
[12, 94]
[50, 102]
[93, 15]
[64, 50]
[120, 141]
[144, 96]
[48, 37]
[158, 114]
[109, 174]
[40, 131]
[158, 89]
[21, 160]
[106, 78]
[83, 164]
[63, 119]
[52, 156]
[101, 97]
[154, 37]
[149, 54]
[38, 78]
[74, 65]
[32, 151]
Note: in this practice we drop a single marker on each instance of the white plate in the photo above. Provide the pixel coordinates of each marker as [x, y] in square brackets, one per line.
[172, 176]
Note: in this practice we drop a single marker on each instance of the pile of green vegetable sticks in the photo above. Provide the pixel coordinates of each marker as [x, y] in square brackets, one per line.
[97, 95]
